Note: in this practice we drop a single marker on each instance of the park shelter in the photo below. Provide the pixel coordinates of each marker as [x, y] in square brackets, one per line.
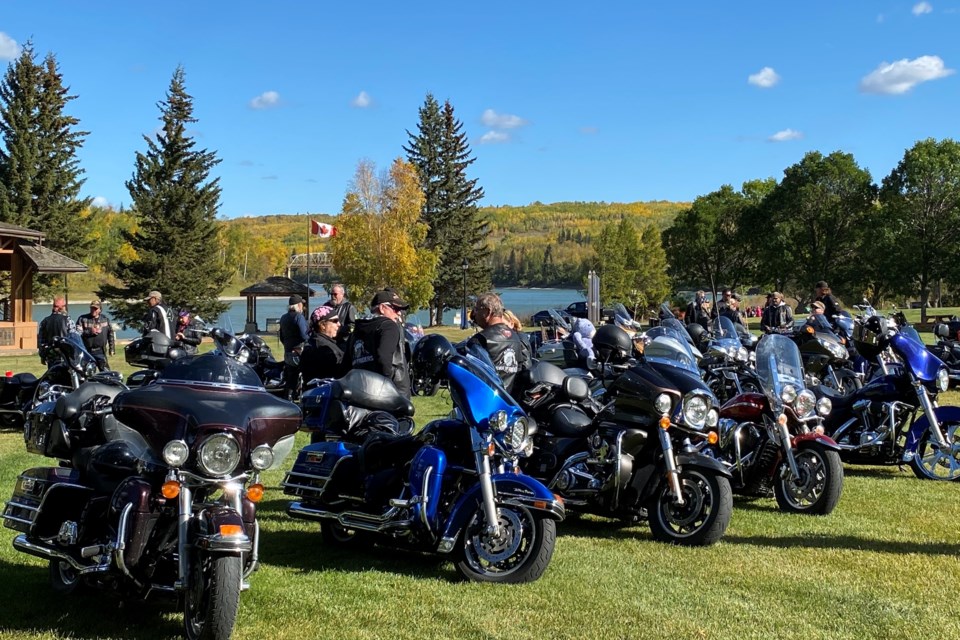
[273, 287]
[22, 255]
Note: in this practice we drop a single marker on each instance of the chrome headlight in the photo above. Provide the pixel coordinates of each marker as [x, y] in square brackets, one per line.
[517, 434]
[805, 403]
[663, 403]
[943, 379]
[824, 406]
[175, 453]
[788, 394]
[90, 370]
[219, 454]
[262, 457]
[743, 355]
[836, 350]
[712, 418]
[498, 421]
[695, 409]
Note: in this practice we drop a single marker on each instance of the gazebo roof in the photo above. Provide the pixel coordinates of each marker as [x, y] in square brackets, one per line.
[47, 260]
[13, 231]
[278, 286]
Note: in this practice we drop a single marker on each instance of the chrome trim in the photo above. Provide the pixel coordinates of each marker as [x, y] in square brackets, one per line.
[222, 477]
[254, 551]
[121, 545]
[673, 475]
[352, 519]
[425, 499]
[446, 545]
[210, 385]
[227, 544]
[185, 512]
[21, 543]
[486, 491]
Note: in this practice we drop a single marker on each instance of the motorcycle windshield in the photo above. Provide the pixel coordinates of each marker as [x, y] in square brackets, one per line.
[820, 323]
[915, 355]
[665, 345]
[476, 388]
[845, 323]
[724, 333]
[778, 365]
[213, 370]
[558, 319]
[76, 354]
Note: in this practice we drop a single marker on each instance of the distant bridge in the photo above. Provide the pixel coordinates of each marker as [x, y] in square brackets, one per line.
[321, 260]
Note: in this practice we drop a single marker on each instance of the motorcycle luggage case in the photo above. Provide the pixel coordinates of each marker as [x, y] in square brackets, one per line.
[45, 434]
[33, 490]
[315, 465]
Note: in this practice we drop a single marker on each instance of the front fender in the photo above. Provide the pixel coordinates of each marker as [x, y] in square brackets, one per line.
[703, 462]
[944, 414]
[805, 439]
[508, 488]
[220, 529]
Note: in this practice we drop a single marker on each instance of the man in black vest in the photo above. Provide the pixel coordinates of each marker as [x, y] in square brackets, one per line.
[509, 353]
[55, 325]
[377, 343]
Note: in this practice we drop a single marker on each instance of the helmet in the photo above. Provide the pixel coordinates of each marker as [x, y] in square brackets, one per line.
[870, 336]
[696, 332]
[612, 344]
[429, 357]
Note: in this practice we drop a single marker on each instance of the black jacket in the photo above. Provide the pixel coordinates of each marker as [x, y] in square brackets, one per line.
[156, 319]
[348, 318]
[776, 317]
[831, 307]
[97, 333]
[508, 351]
[54, 325]
[377, 345]
[321, 358]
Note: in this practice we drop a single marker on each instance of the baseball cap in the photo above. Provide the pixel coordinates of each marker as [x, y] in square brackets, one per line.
[323, 313]
[95, 303]
[154, 294]
[818, 305]
[295, 299]
[389, 296]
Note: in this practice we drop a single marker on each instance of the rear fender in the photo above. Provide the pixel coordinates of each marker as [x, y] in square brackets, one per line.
[944, 414]
[220, 530]
[804, 440]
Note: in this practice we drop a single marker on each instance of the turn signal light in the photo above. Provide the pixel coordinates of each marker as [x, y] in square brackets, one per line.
[664, 423]
[491, 449]
[712, 437]
[539, 504]
[810, 330]
[255, 492]
[818, 429]
[782, 419]
[170, 489]
[231, 529]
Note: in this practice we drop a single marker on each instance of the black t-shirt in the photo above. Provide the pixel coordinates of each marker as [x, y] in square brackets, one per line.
[377, 345]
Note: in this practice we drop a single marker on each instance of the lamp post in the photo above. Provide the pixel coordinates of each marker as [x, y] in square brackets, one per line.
[463, 312]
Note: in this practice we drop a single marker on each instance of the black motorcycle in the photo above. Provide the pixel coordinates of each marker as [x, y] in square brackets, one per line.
[16, 393]
[268, 368]
[726, 365]
[155, 488]
[947, 348]
[826, 359]
[616, 455]
[69, 365]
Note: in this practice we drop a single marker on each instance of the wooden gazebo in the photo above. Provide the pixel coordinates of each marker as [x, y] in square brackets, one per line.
[273, 287]
[22, 255]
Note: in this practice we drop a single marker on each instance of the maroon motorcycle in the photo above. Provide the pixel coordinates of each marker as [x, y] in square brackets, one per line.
[773, 441]
[156, 487]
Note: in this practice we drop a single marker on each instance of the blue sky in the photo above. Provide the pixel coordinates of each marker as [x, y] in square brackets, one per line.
[610, 101]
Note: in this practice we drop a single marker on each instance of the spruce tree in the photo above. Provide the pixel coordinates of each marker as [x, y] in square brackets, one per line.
[457, 230]
[175, 204]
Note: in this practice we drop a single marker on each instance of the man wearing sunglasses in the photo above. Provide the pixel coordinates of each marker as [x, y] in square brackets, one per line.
[377, 344]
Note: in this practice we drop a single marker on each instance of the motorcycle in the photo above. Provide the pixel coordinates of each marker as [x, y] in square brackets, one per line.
[151, 352]
[155, 489]
[826, 359]
[69, 365]
[894, 417]
[773, 439]
[601, 455]
[450, 489]
[947, 348]
[16, 392]
[726, 365]
[260, 358]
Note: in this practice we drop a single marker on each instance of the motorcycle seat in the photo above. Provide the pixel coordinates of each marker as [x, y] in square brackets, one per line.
[837, 399]
[569, 421]
[372, 391]
[69, 405]
[24, 379]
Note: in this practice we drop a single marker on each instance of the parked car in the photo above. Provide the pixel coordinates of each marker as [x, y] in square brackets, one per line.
[579, 310]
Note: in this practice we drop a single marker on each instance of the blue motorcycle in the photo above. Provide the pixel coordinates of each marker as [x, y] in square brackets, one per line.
[451, 489]
[894, 418]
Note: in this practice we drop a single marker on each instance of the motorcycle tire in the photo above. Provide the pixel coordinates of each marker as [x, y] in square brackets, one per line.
[703, 517]
[212, 597]
[847, 381]
[335, 534]
[64, 579]
[932, 463]
[818, 489]
[520, 554]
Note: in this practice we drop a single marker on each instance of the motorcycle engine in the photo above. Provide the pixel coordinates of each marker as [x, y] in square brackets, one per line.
[577, 479]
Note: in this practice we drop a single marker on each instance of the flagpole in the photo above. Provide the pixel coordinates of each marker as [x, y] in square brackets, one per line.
[309, 233]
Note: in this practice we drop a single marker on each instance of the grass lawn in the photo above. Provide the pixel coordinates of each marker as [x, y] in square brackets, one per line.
[878, 567]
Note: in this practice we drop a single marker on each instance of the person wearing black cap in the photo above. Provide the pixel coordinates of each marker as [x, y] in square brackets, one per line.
[377, 343]
[293, 335]
[97, 334]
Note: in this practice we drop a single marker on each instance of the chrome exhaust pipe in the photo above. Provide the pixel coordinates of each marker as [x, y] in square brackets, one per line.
[20, 543]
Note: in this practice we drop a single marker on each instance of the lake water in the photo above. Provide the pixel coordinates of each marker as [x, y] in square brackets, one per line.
[523, 302]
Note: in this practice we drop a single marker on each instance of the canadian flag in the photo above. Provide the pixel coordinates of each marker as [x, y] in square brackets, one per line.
[322, 230]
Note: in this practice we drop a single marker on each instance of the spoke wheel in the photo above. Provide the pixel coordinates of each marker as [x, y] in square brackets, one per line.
[935, 463]
[519, 553]
[818, 487]
[704, 515]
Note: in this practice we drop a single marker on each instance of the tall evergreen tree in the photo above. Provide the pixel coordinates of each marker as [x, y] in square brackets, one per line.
[40, 175]
[175, 203]
[441, 154]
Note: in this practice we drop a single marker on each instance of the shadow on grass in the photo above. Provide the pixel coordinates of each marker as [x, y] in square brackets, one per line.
[888, 472]
[827, 541]
[30, 605]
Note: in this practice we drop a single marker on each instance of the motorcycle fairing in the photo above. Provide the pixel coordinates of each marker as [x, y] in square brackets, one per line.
[924, 364]
[921, 424]
[426, 475]
[479, 400]
[746, 407]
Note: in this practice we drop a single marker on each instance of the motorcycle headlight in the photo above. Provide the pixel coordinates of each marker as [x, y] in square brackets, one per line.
[175, 453]
[662, 404]
[695, 409]
[824, 406]
[262, 457]
[788, 394]
[219, 454]
[90, 370]
[943, 379]
[516, 435]
[805, 403]
[712, 418]
[498, 421]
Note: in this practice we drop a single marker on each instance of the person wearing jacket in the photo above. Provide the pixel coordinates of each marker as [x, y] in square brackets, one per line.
[322, 356]
[156, 319]
[293, 336]
[777, 316]
[346, 312]
[831, 306]
[377, 343]
[185, 335]
[509, 353]
[55, 325]
[97, 335]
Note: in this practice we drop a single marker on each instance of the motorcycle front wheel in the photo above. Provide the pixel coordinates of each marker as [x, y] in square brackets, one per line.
[817, 490]
[704, 515]
[934, 463]
[520, 553]
[212, 597]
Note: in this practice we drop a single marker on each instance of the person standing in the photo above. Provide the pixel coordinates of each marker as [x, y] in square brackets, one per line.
[293, 336]
[507, 350]
[777, 316]
[377, 344]
[322, 356]
[831, 306]
[156, 319]
[697, 311]
[97, 335]
[55, 325]
[346, 312]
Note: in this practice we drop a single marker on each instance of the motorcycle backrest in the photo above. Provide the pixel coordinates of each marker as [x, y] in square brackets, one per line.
[576, 388]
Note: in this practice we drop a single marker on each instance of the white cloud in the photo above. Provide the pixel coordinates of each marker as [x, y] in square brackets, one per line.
[362, 101]
[266, 100]
[921, 8]
[493, 137]
[894, 78]
[785, 136]
[765, 78]
[9, 49]
[494, 120]
[100, 201]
